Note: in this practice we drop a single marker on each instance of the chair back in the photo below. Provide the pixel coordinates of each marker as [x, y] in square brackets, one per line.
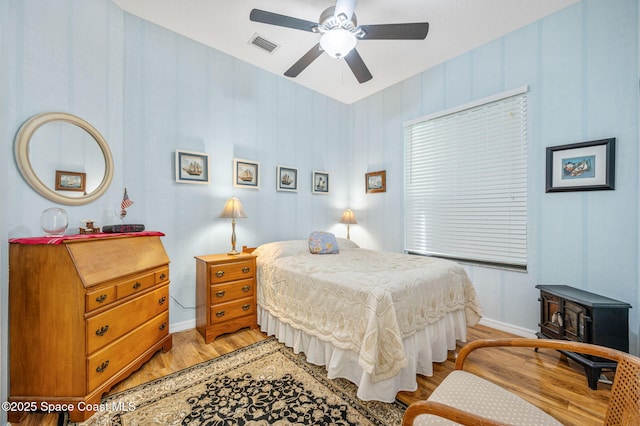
[624, 404]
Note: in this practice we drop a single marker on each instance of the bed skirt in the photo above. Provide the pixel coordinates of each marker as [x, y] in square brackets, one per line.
[422, 350]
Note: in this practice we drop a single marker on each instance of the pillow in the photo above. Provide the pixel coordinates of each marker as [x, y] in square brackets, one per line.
[323, 243]
[344, 244]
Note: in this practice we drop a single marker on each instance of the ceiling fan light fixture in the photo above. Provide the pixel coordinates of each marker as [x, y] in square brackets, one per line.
[338, 42]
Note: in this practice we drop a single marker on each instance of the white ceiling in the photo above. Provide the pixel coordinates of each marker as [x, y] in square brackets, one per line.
[455, 26]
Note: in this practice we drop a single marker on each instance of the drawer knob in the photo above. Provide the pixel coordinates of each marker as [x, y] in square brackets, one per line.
[246, 288]
[220, 293]
[102, 330]
[137, 285]
[220, 314]
[162, 300]
[163, 326]
[246, 270]
[163, 276]
[101, 298]
[246, 307]
[102, 366]
[220, 274]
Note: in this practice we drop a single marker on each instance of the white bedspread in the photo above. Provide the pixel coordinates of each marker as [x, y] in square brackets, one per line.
[363, 301]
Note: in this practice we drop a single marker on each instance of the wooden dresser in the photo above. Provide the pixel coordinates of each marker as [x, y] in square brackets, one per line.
[83, 315]
[225, 294]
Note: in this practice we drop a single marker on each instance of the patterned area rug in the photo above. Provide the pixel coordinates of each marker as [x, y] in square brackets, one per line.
[262, 384]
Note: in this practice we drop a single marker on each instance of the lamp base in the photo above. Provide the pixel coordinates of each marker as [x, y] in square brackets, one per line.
[234, 253]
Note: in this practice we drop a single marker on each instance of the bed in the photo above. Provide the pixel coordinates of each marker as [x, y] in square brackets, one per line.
[374, 318]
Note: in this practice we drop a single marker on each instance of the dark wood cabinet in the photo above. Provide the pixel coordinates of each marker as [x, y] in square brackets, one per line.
[569, 313]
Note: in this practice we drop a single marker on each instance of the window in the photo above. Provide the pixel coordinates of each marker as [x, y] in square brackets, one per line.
[465, 193]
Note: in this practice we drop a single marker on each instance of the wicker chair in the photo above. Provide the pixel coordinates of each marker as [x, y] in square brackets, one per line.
[466, 399]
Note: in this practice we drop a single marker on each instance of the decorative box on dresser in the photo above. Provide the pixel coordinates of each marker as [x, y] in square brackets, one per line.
[569, 313]
[84, 313]
[225, 294]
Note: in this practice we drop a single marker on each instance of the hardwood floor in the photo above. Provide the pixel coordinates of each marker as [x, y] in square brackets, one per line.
[562, 392]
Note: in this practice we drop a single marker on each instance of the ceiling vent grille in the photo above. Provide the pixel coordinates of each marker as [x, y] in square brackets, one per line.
[262, 43]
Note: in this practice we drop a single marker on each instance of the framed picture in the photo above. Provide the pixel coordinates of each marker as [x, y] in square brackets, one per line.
[320, 182]
[192, 167]
[585, 166]
[246, 174]
[376, 181]
[71, 181]
[287, 179]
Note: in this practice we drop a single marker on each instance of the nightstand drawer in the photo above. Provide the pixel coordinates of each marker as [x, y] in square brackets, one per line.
[231, 310]
[222, 293]
[232, 271]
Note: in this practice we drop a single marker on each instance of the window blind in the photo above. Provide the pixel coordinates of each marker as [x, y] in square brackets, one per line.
[465, 192]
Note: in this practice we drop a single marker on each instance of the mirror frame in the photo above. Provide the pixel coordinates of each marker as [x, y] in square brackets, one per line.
[23, 139]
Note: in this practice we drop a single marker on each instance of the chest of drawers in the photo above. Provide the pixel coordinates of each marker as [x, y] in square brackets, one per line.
[225, 294]
[84, 314]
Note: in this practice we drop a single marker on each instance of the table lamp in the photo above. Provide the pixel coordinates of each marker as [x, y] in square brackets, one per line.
[349, 218]
[233, 210]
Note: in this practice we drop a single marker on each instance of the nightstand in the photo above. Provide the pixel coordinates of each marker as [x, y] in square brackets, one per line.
[225, 294]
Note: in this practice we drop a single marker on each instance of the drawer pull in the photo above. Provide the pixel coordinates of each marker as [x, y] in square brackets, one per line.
[162, 300]
[101, 298]
[220, 274]
[246, 270]
[246, 288]
[246, 307]
[137, 285]
[163, 276]
[220, 293]
[102, 330]
[102, 366]
[220, 314]
[163, 326]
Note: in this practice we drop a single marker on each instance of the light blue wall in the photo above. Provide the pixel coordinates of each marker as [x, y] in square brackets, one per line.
[581, 67]
[150, 92]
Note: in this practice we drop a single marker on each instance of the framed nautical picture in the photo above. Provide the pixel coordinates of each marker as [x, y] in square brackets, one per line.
[375, 182]
[287, 179]
[70, 181]
[585, 166]
[320, 182]
[246, 174]
[192, 167]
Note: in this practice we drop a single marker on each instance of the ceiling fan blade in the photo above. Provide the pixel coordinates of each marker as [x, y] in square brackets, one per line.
[304, 62]
[358, 67]
[345, 7]
[271, 18]
[412, 31]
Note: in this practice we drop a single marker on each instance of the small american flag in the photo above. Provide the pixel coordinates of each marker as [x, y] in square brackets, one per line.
[126, 202]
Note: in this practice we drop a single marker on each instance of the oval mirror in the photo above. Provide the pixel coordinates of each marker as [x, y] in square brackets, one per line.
[67, 161]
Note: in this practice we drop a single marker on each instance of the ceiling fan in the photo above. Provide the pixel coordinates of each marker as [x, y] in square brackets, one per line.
[340, 32]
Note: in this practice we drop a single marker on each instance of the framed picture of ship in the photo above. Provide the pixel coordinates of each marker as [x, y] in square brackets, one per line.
[192, 167]
[585, 166]
[320, 183]
[287, 179]
[246, 174]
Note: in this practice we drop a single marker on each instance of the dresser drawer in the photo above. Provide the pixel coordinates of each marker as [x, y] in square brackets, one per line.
[136, 285]
[108, 326]
[222, 293]
[112, 359]
[230, 310]
[162, 275]
[99, 298]
[232, 271]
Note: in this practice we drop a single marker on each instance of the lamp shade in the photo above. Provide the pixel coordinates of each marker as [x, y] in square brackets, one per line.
[348, 217]
[233, 209]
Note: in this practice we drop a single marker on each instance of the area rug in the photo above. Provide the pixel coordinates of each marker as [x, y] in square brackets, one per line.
[262, 384]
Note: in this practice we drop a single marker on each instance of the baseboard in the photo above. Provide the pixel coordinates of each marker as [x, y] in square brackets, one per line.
[182, 326]
[509, 328]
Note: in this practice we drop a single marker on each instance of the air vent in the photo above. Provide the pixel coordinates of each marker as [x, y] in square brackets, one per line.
[262, 43]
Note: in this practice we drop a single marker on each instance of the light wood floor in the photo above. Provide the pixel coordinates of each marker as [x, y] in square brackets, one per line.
[562, 392]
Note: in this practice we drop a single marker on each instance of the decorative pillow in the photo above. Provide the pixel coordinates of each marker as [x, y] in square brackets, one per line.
[323, 243]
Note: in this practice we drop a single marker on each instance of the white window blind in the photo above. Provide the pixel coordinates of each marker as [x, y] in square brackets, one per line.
[465, 188]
